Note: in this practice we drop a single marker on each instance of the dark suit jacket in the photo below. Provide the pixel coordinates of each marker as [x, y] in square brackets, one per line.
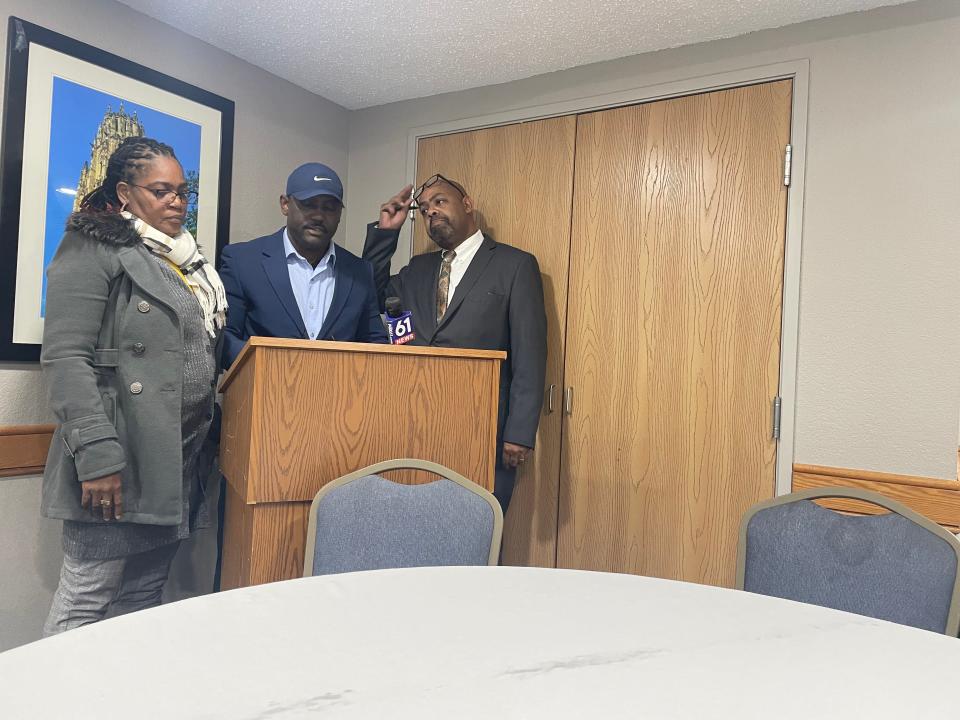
[261, 300]
[498, 305]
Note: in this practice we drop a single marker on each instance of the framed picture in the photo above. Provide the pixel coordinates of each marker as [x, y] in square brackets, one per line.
[67, 106]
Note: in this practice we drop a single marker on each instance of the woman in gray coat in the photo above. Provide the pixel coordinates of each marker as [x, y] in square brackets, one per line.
[133, 319]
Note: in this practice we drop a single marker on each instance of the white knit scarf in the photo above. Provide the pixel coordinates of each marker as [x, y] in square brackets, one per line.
[200, 275]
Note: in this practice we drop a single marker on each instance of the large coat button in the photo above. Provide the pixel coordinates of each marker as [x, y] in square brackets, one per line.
[136, 388]
[143, 306]
[139, 348]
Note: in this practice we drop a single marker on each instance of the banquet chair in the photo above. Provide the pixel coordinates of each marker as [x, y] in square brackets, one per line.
[897, 566]
[363, 521]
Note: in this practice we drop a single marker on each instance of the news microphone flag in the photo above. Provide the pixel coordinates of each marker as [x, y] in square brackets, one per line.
[400, 329]
[399, 322]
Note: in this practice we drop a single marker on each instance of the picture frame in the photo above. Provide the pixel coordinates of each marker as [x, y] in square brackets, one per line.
[67, 105]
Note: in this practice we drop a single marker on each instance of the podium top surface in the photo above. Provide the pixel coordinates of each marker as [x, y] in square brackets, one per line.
[370, 348]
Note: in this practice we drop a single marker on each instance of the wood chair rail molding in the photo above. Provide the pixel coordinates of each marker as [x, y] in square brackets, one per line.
[934, 498]
[23, 449]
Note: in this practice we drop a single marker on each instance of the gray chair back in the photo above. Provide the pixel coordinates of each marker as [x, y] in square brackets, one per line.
[365, 522]
[898, 566]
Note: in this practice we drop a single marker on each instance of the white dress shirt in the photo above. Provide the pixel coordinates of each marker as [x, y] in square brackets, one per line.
[465, 253]
[312, 286]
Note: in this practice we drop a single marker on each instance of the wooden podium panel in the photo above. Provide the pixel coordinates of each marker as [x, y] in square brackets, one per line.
[298, 414]
[262, 543]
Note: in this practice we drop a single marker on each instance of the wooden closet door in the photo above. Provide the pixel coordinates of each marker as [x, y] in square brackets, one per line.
[673, 331]
[521, 178]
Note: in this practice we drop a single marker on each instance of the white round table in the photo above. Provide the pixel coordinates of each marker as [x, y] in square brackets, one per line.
[484, 643]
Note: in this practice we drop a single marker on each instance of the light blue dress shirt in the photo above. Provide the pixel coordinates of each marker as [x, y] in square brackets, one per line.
[312, 286]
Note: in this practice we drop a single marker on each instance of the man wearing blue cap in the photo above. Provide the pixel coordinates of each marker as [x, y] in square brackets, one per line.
[296, 283]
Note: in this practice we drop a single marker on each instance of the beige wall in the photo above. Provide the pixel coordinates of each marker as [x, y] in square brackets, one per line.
[278, 125]
[878, 384]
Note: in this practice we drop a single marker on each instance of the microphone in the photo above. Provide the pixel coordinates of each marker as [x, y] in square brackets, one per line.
[399, 322]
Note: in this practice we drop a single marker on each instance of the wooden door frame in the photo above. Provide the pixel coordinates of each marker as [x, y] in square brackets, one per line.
[796, 70]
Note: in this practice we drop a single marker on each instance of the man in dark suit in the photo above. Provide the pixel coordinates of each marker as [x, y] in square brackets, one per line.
[296, 283]
[472, 293]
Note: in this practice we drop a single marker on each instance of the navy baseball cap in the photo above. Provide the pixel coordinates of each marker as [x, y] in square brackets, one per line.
[313, 179]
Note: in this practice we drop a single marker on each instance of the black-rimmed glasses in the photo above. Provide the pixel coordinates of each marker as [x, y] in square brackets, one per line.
[165, 195]
[430, 182]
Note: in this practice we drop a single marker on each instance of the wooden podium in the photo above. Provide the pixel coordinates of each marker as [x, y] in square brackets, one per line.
[300, 413]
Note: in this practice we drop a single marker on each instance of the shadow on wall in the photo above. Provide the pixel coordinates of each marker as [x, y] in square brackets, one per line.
[30, 556]
[192, 571]
[484, 225]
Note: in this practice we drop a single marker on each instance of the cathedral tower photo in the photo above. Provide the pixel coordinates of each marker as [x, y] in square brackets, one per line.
[113, 129]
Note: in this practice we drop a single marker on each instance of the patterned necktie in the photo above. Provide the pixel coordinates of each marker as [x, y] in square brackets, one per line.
[443, 287]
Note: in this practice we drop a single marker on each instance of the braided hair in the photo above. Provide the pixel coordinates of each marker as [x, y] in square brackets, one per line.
[125, 165]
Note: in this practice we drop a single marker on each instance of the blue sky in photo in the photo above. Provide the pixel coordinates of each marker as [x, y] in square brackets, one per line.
[76, 114]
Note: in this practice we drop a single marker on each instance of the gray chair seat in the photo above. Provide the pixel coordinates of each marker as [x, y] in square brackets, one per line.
[898, 566]
[366, 522]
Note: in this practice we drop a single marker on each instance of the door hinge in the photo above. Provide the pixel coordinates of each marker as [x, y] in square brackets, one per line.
[777, 405]
[787, 163]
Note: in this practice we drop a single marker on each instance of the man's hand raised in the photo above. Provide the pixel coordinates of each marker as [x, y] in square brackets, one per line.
[394, 211]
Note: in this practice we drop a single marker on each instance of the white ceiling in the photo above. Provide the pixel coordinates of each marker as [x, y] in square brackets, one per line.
[368, 52]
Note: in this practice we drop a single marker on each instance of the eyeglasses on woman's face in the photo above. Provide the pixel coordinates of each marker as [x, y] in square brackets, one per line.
[167, 195]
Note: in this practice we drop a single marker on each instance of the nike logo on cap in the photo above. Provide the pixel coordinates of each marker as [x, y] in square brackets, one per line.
[317, 178]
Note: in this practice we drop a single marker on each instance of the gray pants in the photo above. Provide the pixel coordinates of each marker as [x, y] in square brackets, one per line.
[90, 588]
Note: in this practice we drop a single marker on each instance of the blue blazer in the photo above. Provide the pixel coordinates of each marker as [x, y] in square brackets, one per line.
[261, 300]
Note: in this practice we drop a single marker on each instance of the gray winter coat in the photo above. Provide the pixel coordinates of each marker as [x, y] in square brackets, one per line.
[112, 361]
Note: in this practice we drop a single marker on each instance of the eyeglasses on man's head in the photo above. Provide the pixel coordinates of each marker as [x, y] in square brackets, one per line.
[430, 182]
